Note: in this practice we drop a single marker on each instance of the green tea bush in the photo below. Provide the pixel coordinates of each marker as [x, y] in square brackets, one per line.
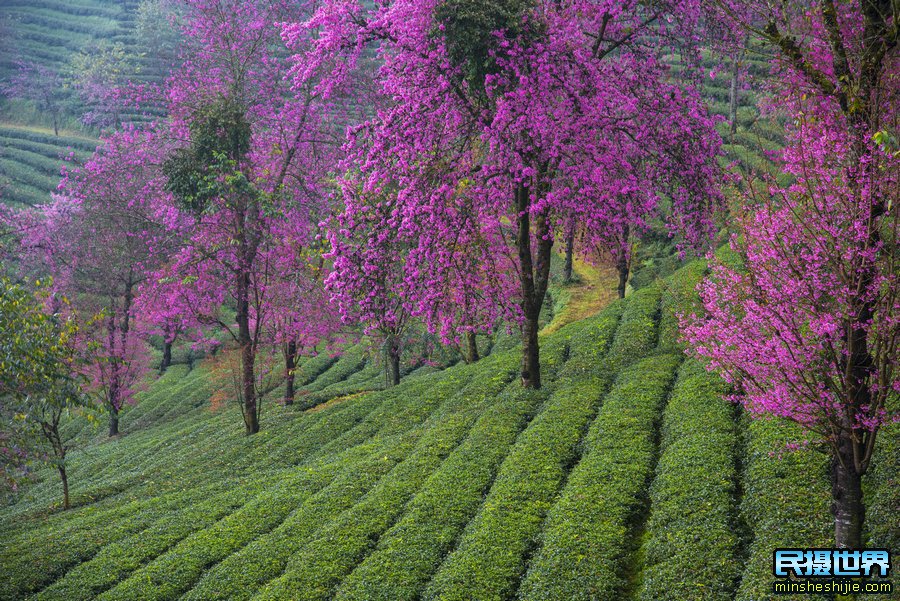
[786, 502]
[691, 550]
[491, 555]
[585, 540]
[411, 550]
[319, 567]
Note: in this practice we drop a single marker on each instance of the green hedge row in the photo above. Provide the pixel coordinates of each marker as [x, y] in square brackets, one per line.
[679, 296]
[36, 558]
[637, 333]
[182, 455]
[239, 575]
[585, 541]
[692, 546]
[176, 571]
[408, 554]
[368, 379]
[882, 490]
[22, 173]
[61, 142]
[119, 559]
[494, 546]
[351, 362]
[45, 166]
[589, 342]
[491, 555]
[338, 546]
[410, 551]
[786, 502]
[70, 8]
[397, 421]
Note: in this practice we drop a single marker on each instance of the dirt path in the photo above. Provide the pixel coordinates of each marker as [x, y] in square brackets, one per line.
[595, 290]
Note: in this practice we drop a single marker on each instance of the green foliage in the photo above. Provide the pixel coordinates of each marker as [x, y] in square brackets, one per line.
[390, 435]
[468, 31]
[492, 552]
[118, 559]
[318, 568]
[39, 384]
[882, 490]
[692, 546]
[786, 501]
[220, 139]
[679, 297]
[412, 549]
[585, 540]
[637, 334]
[456, 484]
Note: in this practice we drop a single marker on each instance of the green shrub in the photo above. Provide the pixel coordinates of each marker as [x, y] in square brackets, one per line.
[882, 490]
[585, 540]
[398, 426]
[352, 361]
[637, 331]
[411, 550]
[679, 296]
[117, 560]
[786, 502]
[491, 555]
[240, 574]
[175, 571]
[691, 551]
[319, 567]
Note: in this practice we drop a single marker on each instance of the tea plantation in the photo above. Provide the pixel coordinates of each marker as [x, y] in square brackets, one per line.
[627, 477]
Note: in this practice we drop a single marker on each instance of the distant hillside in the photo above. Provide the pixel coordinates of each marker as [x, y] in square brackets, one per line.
[51, 33]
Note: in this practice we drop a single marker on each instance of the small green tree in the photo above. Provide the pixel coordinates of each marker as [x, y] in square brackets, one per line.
[39, 382]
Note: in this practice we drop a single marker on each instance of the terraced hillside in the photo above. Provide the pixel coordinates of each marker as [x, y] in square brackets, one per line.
[50, 33]
[627, 477]
[31, 158]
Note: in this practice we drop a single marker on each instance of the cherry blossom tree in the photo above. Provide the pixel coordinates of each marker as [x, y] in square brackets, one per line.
[109, 226]
[368, 273]
[516, 114]
[41, 85]
[808, 328]
[305, 322]
[250, 172]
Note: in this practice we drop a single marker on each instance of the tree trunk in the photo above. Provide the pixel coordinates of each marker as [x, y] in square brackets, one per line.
[50, 430]
[248, 383]
[623, 261]
[56, 124]
[847, 499]
[393, 356]
[248, 355]
[113, 394]
[531, 357]
[113, 421]
[166, 358]
[733, 96]
[622, 268]
[116, 385]
[393, 366]
[471, 348]
[65, 482]
[534, 277]
[570, 250]
[290, 365]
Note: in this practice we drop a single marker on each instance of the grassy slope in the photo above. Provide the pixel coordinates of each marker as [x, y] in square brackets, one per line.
[626, 478]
